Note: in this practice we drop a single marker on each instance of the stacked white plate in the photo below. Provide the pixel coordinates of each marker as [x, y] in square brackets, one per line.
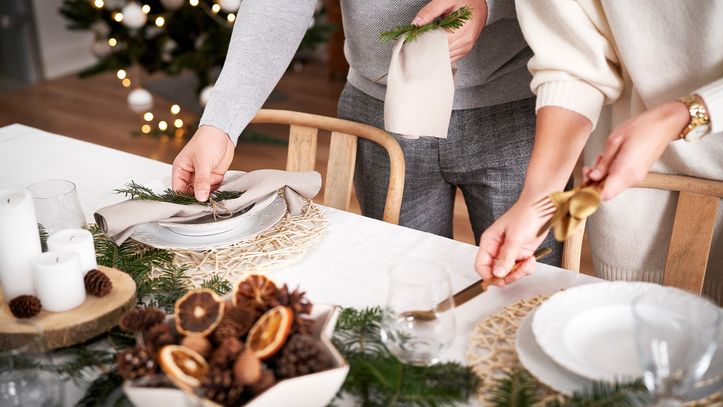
[211, 232]
[585, 333]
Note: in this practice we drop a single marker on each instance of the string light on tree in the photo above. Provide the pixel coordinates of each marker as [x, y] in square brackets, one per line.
[148, 116]
[121, 74]
[112, 42]
[98, 3]
[215, 8]
[146, 8]
[162, 125]
[175, 109]
[118, 17]
[133, 16]
[145, 129]
[160, 21]
[231, 17]
[193, 3]
[126, 83]
[178, 123]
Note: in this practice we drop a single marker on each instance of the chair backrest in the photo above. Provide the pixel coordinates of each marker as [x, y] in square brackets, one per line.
[692, 235]
[303, 134]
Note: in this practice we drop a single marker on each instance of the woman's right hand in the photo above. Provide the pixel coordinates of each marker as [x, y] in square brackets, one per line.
[201, 165]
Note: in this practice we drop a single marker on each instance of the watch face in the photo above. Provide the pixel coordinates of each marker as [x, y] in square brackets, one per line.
[697, 133]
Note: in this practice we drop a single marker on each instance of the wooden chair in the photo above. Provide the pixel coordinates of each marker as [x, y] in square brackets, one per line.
[303, 133]
[692, 236]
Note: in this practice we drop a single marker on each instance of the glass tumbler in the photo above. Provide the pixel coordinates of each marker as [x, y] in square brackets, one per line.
[418, 323]
[675, 336]
[57, 206]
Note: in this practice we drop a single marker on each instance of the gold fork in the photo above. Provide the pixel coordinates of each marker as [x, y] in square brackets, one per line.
[578, 203]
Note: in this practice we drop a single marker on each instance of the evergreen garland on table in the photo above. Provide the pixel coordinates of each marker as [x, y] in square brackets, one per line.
[410, 32]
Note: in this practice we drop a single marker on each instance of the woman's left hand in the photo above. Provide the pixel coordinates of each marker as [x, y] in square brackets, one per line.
[462, 40]
[635, 145]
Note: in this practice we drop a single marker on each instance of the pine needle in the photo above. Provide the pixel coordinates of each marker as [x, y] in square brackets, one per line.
[133, 190]
[451, 22]
[632, 394]
[516, 389]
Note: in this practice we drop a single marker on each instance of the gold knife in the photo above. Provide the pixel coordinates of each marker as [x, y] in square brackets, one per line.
[467, 293]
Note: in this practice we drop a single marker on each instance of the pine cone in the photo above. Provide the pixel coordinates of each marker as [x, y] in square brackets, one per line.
[297, 301]
[219, 385]
[136, 362]
[158, 336]
[236, 323]
[226, 353]
[141, 319]
[25, 306]
[97, 283]
[301, 355]
[264, 383]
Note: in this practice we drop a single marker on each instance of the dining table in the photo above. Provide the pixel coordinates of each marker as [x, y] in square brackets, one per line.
[348, 266]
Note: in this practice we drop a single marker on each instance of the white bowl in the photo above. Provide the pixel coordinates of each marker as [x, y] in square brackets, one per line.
[316, 389]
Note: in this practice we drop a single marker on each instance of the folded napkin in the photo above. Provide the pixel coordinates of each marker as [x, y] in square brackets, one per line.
[571, 208]
[420, 87]
[119, 220]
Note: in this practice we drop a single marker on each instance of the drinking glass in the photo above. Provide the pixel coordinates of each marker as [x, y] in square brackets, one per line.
[418, 338]
[57, 206]
[26, 378]
[675, 336]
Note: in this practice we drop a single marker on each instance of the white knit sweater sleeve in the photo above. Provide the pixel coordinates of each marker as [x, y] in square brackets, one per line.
[712, 95]
[575, 65]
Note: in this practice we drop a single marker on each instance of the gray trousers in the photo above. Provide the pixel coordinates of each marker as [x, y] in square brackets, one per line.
[485, 155]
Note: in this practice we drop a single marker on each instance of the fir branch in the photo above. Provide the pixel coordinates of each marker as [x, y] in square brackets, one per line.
[136, 191]
[410, 32]
[516, 389]
[219, 285]
[105, 390]
[169, 286]
[357, 331]
[632, 394]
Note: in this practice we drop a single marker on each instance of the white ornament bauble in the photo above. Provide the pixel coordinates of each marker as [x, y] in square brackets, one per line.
[140, 100]
[100, 48]
[205, 95]
[229, 6]
[133, 15]
[172, 4]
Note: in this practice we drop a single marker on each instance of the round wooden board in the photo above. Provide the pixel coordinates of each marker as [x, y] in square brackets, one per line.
[94, 317]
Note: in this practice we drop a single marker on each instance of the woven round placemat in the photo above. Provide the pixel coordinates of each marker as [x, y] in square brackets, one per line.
[491, 353]
[280, 246]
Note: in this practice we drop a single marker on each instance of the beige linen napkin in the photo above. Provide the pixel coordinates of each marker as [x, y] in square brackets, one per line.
[119, 220]
[420, 87]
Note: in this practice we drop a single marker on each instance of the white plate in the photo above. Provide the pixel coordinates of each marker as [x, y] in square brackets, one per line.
[160, 237]
[536, 361]
[207, 225]
[589, 329]
[542, 366]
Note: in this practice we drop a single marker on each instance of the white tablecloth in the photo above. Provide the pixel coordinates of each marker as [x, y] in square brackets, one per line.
[348, 267]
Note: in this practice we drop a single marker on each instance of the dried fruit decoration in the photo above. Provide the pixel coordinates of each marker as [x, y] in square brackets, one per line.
[255, 291]
[198, 312]
[269, 333]
[184, 367]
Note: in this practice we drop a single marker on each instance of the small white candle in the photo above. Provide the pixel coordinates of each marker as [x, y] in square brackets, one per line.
[19, 242]
[75, 240]
[58, 280]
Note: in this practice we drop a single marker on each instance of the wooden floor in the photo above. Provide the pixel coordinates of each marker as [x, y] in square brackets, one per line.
[95, 110]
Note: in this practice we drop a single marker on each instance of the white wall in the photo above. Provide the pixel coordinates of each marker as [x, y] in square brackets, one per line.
[62, 51]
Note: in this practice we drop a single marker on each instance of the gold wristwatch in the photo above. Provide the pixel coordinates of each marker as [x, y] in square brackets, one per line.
[699, 124]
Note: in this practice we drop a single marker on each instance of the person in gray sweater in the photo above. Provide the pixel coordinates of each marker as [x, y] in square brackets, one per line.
[491, 131]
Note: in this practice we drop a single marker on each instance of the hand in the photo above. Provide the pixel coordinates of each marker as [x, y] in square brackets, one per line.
[200, 166]
[635, 145]
[462, 40]
[512, 238]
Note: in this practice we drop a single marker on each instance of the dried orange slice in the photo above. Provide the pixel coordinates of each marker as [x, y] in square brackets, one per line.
[269, 333]
[183, 366]
[198, 312]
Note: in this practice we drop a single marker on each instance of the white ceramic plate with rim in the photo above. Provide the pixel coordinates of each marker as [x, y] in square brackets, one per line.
[588, 330]
[536, 361]
[161, 237]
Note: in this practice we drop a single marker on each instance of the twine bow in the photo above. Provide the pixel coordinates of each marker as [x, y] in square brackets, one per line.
[572, 208]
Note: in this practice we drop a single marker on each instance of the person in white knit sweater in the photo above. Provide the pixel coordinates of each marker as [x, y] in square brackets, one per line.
[640, 58]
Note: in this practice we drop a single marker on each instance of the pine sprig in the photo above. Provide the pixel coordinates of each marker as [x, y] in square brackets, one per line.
[172, 283]
[450, 22]
[216, 283]
[105, 390]
[136, 191]
[516, 389]
[378, 378]
[601, 394]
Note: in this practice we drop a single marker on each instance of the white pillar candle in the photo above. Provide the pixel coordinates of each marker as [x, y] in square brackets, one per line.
[75, 240]
[19, 242]
[58, 280]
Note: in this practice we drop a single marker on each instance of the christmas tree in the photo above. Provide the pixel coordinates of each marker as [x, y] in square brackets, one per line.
[169, 36]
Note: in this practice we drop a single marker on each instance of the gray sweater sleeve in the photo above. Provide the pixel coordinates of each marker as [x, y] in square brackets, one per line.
[264, 40]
